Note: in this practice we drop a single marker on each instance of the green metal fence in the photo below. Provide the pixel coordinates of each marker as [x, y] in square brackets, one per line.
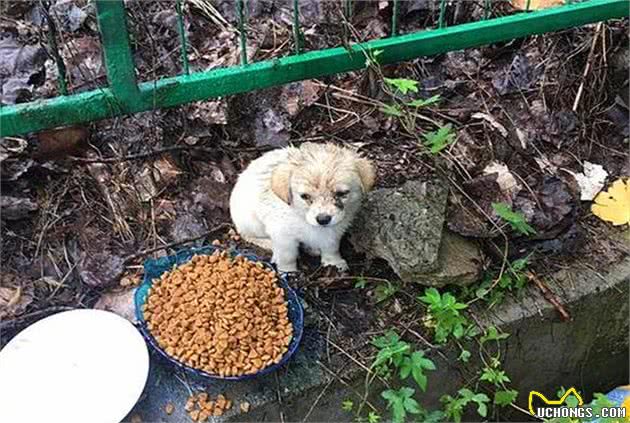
[124, 95]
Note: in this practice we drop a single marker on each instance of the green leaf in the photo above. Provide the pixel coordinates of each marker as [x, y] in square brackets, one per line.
[482, 409]
[390, 338]
[515, 219]
[412, 406]
[431, 296]
[464, 356]
[360, 283]
[373, 417]
[395, 401]
[440, 139]
[392, 110]
[424, 102]
[497, 377]
[385, 291]
[505, 398]
[389, 353]
[492, 334]
[347, 405]
[403, 85]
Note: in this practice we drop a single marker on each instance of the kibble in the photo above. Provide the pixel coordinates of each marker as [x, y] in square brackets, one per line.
[224, 316]
[200, 406]
[169, 408]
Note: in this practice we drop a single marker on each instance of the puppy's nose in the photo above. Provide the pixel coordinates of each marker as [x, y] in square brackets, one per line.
[323, 219]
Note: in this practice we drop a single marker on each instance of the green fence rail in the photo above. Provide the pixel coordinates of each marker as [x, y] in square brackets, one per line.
[125, 96]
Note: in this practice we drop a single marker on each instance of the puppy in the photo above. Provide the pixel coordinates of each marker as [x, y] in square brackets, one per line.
[307, 195]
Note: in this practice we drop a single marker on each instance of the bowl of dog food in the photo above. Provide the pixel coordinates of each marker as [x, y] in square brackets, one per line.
[219, 314]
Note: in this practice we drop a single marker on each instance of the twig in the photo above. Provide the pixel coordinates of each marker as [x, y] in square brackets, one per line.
[319, 397]
[550, 296]
[175, 244]
[21, 321]
[587, 68]
[142, 155]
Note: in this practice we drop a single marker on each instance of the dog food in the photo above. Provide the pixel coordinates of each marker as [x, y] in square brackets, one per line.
[200, 408]
[225, 316]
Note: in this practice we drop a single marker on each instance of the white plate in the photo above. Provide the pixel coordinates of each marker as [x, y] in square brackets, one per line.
[76, 366]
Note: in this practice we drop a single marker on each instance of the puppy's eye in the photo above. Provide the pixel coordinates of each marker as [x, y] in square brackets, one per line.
[341, 194]
[305, 197]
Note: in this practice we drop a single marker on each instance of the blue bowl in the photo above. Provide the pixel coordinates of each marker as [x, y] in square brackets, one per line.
[153, 269]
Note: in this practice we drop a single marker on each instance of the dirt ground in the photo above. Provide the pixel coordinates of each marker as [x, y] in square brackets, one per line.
[98, 200]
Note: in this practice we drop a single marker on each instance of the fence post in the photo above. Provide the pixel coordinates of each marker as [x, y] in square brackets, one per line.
[121, 71]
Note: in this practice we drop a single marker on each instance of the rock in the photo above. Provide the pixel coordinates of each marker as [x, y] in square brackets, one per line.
[459, 261]
[100, 269]
[403, 226]
[14, 208]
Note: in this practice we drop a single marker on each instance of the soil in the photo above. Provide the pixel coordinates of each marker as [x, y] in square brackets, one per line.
[142, 182]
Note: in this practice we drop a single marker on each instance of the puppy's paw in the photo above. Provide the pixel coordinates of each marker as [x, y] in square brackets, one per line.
[284, 267]
[340, 264]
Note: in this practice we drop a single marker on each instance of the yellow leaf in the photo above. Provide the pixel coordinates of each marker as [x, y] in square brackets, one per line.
[614, 204]
[536, 4]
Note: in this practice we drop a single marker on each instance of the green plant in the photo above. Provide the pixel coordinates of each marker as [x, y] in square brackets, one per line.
[454, 406]
[445, 316]
[391, 351]
[440, 139]
[505, 397]
[493, 290]
[384, 291]
[360, 283]
[373, 417]
[347, 405]
[415, 365]
[392, 110]
[403, 85]
[424, 102]
[401, 403]
[515, 219]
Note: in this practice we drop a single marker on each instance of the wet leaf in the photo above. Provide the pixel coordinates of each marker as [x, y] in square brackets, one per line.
[614, 205]
[14, 208]
[19, 67]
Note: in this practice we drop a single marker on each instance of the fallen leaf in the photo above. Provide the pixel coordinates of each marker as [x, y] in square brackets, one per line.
[13, 208]
[492, 121]
[536, 4]
[506, 180]
[614, 205]
[19, 67]
[591, 180]
[14, 296]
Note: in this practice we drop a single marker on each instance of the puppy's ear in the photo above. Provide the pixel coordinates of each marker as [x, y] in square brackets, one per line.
[367, 173]
[280, 185]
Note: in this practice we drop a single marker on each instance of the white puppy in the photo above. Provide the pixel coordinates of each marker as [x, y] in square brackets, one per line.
[307, 195]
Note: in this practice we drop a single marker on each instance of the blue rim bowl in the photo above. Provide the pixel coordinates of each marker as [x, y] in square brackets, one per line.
[154, 268]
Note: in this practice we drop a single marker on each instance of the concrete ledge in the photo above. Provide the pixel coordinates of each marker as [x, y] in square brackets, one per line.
[543, 353]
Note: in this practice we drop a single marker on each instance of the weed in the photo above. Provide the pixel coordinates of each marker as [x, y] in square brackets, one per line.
[454, 407]
[515, 219]
[444, 312]
[440, 139]
[385, 290]
[401, 403]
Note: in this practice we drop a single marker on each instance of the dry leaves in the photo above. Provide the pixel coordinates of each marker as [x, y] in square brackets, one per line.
[536, 4]
[614, 205]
